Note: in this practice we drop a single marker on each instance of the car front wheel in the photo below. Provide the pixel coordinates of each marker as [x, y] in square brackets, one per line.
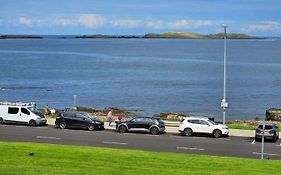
[122, 129]
[1, 121]
[154, 131]
[91, 127]
[32, 123]
[62, 125]
[217, 133]
[187, 132]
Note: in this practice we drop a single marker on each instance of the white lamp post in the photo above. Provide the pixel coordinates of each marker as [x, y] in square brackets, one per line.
[224, 104]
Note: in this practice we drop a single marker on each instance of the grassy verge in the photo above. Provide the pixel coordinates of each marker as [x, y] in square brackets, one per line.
[61, 159]
[241, 126]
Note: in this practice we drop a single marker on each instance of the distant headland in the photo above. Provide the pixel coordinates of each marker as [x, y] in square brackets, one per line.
[168, 35]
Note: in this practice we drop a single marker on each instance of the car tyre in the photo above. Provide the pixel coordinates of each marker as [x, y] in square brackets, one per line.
[187, 132]
[91, 127]
[62, 125]
[217, 133]
[1, 121]
[32, 123]
[122, 129]
[154, 131]
[274, 138]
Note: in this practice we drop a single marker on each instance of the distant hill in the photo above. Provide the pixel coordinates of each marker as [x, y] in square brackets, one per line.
[20, 37]
[190, 35]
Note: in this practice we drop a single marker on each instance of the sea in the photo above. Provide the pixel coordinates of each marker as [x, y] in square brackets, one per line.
[145, 76]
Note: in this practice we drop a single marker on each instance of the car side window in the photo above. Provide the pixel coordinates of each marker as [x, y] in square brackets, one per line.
[148, 120]
[137, 120]
[193, 121]
[203, 122]
[25, 111]
[13, 110]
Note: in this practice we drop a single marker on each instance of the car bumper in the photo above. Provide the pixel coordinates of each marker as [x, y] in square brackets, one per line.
[41, 121]
[265, 136]
[225, 131]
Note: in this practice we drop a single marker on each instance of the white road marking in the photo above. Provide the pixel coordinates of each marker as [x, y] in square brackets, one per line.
[129, 134]
[153, 135]
[46, 137]
[268, 154]
[22, 126]
[224, 139]
[253, 141]
[41, 127]
[115, 143]
[190, 148]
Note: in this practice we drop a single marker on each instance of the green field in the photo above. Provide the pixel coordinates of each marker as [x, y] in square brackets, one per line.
[76, 160]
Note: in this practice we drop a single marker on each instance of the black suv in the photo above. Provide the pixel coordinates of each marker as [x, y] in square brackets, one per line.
[84, 120]
[150, 124]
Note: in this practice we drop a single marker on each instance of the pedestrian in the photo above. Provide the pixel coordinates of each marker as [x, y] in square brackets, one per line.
[47, 111]
[120, 117]
[109, 118]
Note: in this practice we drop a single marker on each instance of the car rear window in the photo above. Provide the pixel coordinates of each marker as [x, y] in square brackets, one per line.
[266, 126]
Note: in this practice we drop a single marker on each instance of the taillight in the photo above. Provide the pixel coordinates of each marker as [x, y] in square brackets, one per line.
[258, 130]
[271, 132]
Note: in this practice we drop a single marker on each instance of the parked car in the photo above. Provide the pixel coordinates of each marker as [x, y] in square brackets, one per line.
[149, 124]
[270, 132]
[191, 125]
[21, 113]
[83, 120]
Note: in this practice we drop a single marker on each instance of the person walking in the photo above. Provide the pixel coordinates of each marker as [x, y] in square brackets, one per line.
[109, 118]
[120, 117]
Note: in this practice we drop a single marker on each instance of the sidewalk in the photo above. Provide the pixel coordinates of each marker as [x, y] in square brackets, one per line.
[172, 127]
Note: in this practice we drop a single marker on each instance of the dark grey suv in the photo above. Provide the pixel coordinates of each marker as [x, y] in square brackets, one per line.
[83, 120]
[270, 132]
[148, 124]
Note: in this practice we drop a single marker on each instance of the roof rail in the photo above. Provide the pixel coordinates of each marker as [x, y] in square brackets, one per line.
[18, 103]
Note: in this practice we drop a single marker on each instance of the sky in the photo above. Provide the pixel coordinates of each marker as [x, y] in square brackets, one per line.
[138, 17]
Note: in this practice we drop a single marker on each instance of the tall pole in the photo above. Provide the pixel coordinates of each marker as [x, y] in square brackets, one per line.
[262, 139]
[224, 104]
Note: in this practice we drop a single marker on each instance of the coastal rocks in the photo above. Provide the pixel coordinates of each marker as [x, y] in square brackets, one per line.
[273, 114]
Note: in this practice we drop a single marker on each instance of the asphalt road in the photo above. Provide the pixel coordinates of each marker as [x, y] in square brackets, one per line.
[229, 146]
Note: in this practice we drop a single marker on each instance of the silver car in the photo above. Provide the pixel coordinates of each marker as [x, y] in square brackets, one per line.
[270, 132]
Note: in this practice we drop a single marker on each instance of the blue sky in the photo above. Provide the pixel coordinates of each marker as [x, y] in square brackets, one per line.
[254, 17]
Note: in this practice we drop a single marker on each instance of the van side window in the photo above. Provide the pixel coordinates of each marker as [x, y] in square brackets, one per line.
[25, 111]
[13, 110]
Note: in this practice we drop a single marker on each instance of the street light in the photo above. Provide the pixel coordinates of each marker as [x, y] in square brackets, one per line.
[224, 104]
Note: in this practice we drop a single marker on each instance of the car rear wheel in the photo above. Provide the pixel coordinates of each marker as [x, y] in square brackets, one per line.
[32, 123]
[187, 132]
[1, 121]
[62, 125]
[217, 133]
[154, 131]
[91, 127]
[274, 138]
[122, 129]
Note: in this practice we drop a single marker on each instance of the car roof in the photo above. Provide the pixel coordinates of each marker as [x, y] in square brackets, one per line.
[268, 124]
[197, 118]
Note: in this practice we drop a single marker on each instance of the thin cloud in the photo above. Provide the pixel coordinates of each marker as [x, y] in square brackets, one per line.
[264, 26]
[29, 21]
[126, 23]
[91, 20]
[179, 24]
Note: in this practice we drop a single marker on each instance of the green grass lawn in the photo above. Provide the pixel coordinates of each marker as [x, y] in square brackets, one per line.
[244, 126]
[76, 160]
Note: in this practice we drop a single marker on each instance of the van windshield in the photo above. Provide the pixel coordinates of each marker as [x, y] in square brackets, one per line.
[35, 111]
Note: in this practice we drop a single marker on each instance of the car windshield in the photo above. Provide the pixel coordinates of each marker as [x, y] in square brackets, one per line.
[212, 122]
[33, 110]
[265, 127]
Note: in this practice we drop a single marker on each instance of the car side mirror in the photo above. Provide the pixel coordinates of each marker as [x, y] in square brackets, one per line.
[84, 119]
[131, 121]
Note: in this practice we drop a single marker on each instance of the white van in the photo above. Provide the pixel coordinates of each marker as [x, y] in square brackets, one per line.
[22, 113]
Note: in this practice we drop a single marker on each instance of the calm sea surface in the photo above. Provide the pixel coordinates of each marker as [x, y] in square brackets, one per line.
[149, 75]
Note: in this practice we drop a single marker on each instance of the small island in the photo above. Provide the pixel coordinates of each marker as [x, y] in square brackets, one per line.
[20, 37]
[190, 35]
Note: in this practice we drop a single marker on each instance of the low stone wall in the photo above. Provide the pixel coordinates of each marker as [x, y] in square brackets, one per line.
[273, 114]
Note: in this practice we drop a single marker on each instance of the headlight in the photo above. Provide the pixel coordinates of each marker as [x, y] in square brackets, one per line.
[224, 127]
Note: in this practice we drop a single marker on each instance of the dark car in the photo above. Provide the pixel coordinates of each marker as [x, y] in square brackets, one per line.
[270, 132]
[83, 120]
[150, 124]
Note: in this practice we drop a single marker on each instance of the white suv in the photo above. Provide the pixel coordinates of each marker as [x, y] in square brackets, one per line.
[191, 125]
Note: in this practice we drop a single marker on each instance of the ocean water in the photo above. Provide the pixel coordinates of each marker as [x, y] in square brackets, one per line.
[144, 75]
